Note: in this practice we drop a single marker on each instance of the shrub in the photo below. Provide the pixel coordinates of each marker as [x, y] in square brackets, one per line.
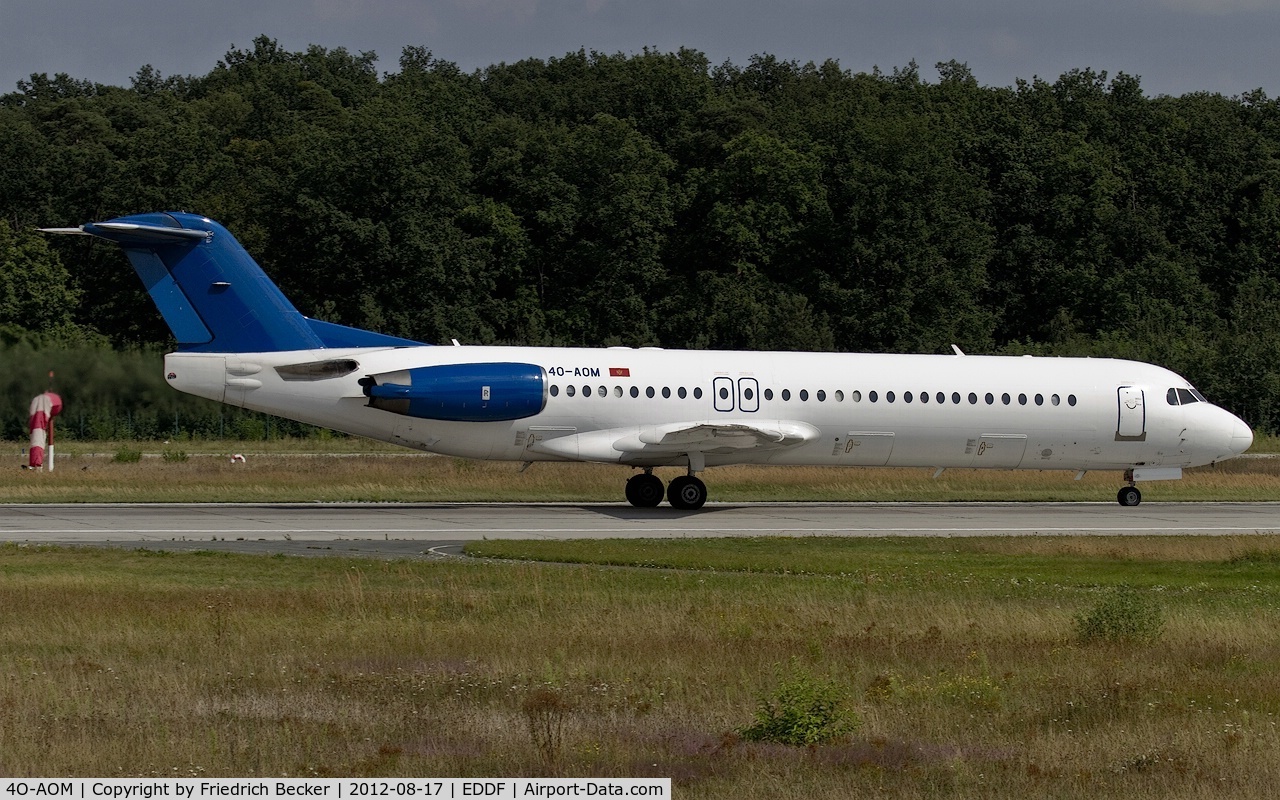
[127, 455]
[803, 711]
[1123, 614]
[174, 456]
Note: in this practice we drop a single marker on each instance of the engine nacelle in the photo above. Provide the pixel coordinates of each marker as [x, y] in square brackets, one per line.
[490, 392]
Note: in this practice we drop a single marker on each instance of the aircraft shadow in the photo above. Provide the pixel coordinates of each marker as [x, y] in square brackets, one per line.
[619, 511]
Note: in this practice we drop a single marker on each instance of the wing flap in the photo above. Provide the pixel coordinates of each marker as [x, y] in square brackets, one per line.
[708, 437]
[717, 435]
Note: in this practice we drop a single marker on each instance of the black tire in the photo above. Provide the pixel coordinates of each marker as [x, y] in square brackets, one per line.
[644, 490]
[1128, 496]
[686, 493]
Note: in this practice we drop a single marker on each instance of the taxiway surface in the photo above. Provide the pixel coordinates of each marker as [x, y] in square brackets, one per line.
[417, 530]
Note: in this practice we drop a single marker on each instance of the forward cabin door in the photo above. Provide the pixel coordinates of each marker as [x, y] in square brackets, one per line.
[1131, 419]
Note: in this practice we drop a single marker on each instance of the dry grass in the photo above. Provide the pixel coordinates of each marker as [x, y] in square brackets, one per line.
[968, 681]
[397, 476]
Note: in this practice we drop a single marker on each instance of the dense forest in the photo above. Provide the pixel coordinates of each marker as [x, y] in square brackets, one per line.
[656, 199]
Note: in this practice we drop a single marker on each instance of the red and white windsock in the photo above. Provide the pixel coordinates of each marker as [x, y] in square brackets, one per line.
[44, 408]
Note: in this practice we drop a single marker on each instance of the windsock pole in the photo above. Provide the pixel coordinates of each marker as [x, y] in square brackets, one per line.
[51, 416]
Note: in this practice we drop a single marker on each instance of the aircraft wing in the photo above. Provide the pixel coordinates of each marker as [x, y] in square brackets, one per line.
[719, 437]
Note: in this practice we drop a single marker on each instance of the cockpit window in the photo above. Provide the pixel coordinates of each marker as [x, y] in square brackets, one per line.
[1183, 397]
[1171, 396]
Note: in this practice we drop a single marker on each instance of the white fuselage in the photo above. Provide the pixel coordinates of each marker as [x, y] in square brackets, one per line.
[836, 408]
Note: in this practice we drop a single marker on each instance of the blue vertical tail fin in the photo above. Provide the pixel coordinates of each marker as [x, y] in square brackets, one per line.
[212, 294]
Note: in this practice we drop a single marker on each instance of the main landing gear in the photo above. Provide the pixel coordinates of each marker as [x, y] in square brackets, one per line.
[644, 490]
[686, 492]
[1129, 495]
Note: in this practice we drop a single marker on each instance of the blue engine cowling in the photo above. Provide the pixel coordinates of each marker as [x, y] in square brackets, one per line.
[461, 392]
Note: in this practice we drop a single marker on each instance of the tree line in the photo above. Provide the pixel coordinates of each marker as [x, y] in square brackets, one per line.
[657, 199]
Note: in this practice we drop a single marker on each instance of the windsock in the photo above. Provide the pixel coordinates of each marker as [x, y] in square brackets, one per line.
[44, 407]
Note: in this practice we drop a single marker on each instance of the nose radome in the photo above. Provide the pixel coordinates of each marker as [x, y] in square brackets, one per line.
[1241, 437]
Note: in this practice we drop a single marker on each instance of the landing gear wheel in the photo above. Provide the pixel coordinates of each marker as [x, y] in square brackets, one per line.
[644, 490]
[1129, 496]
[686, 493]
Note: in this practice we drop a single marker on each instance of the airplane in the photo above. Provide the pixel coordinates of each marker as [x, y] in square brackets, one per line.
[241, 342]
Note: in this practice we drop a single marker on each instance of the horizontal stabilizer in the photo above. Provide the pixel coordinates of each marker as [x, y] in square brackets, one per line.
[155, 234]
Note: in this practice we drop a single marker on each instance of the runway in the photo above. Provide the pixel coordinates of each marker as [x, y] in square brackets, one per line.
[426, 530]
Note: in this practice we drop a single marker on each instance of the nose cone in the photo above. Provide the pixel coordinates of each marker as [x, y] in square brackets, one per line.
[1241, 437]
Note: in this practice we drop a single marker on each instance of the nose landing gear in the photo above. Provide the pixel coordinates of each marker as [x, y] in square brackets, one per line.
[1129, 495]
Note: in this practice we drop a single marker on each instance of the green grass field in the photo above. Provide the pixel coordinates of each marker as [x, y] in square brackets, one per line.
[957, 665]
[370, 472]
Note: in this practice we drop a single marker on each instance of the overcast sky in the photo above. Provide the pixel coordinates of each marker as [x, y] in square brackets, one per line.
[1175, 46]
